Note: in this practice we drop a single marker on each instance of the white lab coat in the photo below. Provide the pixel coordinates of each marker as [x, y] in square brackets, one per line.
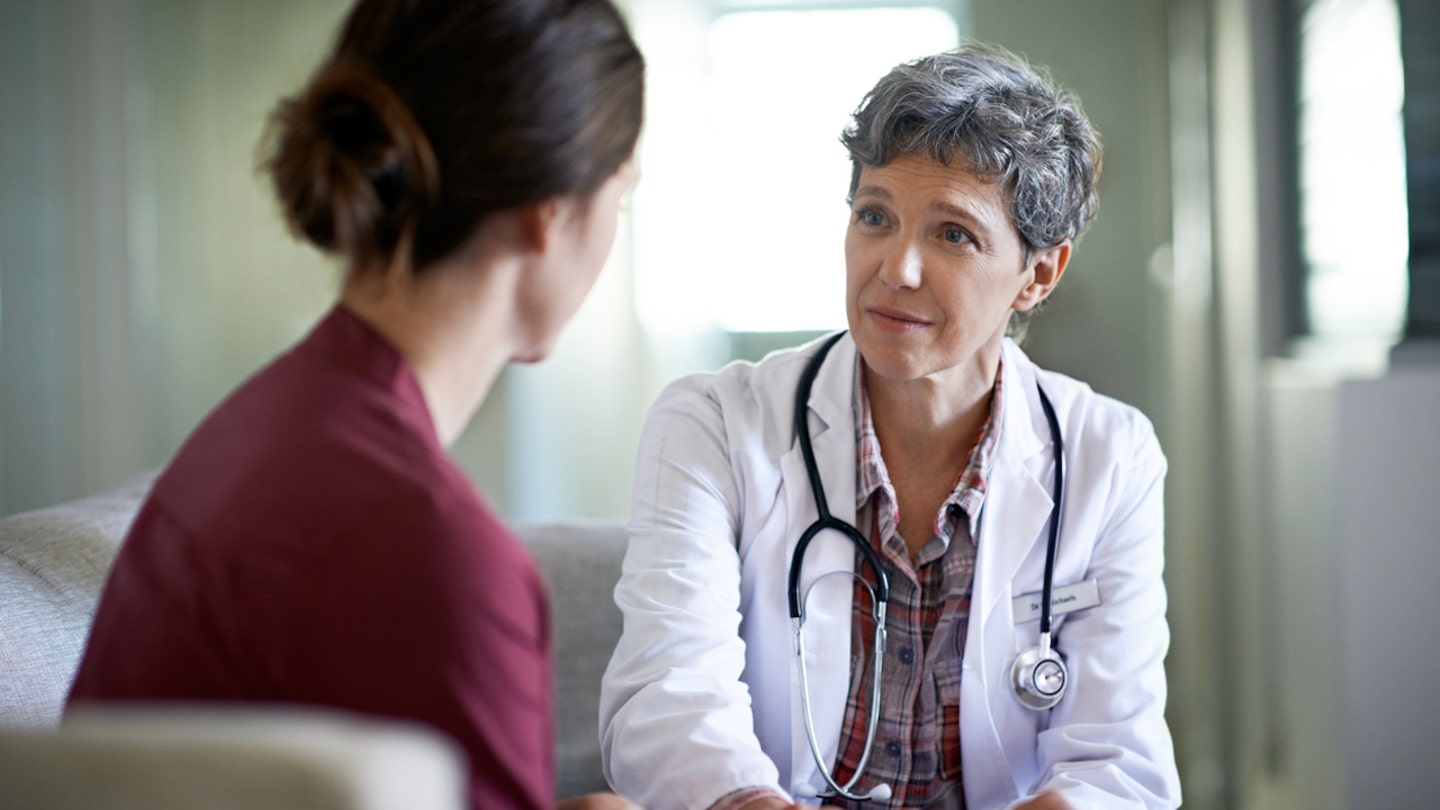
[702, 694]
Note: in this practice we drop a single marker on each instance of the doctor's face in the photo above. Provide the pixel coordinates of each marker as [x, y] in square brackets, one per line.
[934, 267]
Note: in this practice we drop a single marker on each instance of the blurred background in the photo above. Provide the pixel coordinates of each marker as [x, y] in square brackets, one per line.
[1263, 280]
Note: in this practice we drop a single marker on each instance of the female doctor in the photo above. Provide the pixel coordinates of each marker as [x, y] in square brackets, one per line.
[841, 558]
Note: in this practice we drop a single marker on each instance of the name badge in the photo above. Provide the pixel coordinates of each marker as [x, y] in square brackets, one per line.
[1067, 599]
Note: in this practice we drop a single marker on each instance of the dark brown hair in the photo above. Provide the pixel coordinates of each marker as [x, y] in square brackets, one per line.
[432, 114]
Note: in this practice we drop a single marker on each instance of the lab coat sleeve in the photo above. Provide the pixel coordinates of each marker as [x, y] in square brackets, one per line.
[1107, 745]
[675, 720]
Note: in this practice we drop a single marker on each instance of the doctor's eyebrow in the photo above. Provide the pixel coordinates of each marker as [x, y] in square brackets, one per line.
[971, 216]
[872, 191]
[949, 209]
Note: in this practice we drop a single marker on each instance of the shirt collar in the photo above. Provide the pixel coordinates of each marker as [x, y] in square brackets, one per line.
[347, 341]
[968, 490]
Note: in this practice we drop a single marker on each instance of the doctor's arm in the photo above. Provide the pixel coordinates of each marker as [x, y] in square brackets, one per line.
[676, 725]
[1106, 744]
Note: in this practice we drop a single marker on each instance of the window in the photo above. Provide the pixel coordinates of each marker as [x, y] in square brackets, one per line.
[740, 220]
[1353, 207]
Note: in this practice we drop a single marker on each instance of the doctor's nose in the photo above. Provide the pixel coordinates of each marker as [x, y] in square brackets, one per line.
[900, 267]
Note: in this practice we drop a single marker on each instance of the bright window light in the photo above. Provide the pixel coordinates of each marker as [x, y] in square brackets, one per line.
[740, 220]
[1352, 168]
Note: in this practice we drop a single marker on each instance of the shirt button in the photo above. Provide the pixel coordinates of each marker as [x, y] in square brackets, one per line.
[907, 655]
[892, 748]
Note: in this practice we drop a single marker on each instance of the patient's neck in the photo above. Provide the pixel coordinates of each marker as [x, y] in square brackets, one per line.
[452, 323]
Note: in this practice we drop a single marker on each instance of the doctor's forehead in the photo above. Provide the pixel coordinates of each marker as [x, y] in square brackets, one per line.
[914, 182]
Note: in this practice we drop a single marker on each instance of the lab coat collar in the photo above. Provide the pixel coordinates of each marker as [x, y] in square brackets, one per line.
[830, 397]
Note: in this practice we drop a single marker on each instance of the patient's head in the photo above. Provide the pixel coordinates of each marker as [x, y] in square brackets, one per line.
[431, 115]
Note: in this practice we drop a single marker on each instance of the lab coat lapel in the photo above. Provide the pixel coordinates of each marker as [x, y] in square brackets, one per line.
[827, 622]
[1017, 503]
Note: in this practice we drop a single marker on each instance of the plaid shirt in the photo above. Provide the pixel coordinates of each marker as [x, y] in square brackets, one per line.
[917, 741]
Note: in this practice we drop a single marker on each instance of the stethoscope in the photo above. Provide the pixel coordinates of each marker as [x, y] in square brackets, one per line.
[1038, 676]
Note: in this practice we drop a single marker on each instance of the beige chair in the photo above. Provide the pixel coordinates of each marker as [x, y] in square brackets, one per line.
[173, 757]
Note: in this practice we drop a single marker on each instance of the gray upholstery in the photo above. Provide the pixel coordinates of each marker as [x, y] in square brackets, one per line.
[53, 564]
[581, 561]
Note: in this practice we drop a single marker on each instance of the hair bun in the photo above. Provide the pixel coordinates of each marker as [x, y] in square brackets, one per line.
[431, 115]
[350, 164]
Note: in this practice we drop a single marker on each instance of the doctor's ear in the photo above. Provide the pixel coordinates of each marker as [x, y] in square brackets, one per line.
[1046, 266]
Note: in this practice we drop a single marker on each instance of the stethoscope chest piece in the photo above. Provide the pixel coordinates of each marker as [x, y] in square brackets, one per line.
[1039, 677]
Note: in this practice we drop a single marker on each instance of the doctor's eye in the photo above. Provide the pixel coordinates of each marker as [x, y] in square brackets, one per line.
[869, 217]
[956, 236]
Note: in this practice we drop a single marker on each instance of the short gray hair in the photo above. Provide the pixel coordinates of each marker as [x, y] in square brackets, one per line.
[1009, 120]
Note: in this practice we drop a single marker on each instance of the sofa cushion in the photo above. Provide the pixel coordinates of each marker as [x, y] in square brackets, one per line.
[53, 564]
[581, 561]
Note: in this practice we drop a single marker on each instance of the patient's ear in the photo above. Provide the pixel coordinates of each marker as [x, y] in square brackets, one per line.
[537, 224]
[1046, 267]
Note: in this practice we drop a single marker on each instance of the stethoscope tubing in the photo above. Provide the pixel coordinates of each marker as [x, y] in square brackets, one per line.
[880, 593]
[817, 488]
[1054, 541]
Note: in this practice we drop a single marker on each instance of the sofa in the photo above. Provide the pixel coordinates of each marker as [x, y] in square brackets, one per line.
[53, 564]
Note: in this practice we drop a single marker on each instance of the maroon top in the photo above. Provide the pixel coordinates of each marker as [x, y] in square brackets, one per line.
[313, 543]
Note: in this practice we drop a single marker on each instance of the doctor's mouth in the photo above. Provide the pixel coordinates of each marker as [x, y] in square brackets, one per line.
[894, 320]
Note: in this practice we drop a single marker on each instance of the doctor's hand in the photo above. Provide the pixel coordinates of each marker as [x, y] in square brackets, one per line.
[1049, 800]
[772, 803]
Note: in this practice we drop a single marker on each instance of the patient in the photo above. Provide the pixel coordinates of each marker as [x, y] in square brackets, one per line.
[313, 542]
